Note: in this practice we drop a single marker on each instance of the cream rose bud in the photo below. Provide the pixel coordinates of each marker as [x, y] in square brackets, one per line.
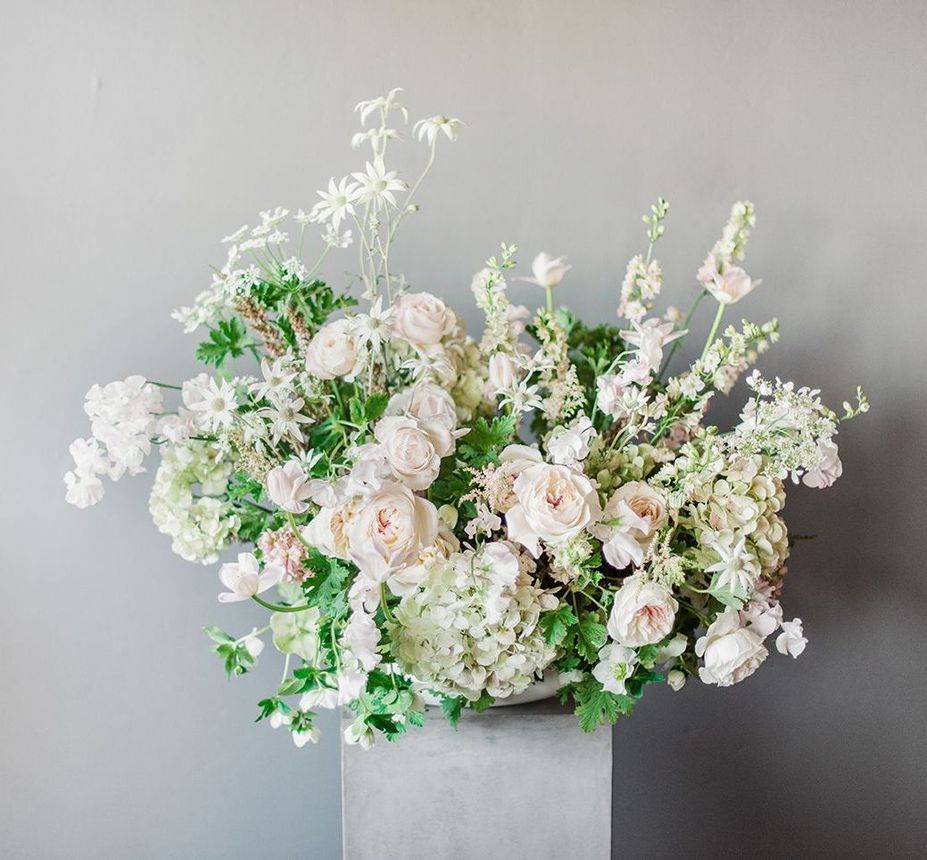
[425, 401]
[414, 448]
[568, 445]
[643, 613]
[731, 652]
[646, 502]
[423, 319]
[391, 530]
[553, 504]
[333, 351]
[731, 286]
[503, 374]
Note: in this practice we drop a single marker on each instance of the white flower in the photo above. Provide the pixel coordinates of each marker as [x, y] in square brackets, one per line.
[288, 487]
[503, 373]
[568, 445]
[278, 380]
[648, 503]
[422, 319]
[359, 734]
[377, 183]
[553, 503]
[547, 271]
[285, 417]
[513, 460]
[643, 613]
[303, 736]
[792, 639]
[676, 680]
[393, 527]
[83, 489]
[650, 337]
[297, 633]
[328, 530]
[615, 667]
[731, 651]
[361, 636]
[429, 128]
[737, 569]
[336, 203]
[373, 329]
[623, 532]
[731, 286]
[217, 406]
[333, 352]
[253, 644]
[425, 401]
[829, 467]
[414, 448]
[332, 237]
[320, 697]
[244, 578]
[386, 104]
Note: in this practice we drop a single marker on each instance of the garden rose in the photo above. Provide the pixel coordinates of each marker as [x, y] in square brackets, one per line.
[642, 614]
[391, 530]
[414, 449]
[553, 503]
[333, 351]
[731, 651]
[328, 530]
[425, 401]
[423, 319]
[646, 502]
[514, 459]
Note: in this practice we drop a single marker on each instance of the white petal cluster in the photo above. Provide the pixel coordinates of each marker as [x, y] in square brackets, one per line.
[472, 625]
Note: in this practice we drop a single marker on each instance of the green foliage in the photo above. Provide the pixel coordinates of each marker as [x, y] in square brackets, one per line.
[451, 707]
[271, 706]
[326, 588]
[389, 705]
[584, 634]
[556, 624]
[485, 439]
[227, 340]
[483, 703]
[590, 636]
[234, 655]
[595, 706]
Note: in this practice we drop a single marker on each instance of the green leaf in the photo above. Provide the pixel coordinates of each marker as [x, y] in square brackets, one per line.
[591, 635]
[557, 623]
[451, 707]
[218, 635]
[375, 406]
[482, 703]
[596, 706]
[483, 441]
[227, 340]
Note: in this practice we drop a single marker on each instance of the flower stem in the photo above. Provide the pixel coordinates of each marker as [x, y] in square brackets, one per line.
[295, 527]
[385, 606]
[714, 329]
[164, 384]
[278, 607]
[550, 299]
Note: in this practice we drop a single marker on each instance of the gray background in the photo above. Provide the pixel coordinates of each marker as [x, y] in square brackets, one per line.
[137, 135]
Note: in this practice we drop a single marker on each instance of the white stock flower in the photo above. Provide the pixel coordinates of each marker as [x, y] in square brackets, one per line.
[643, 613]
[731, 652]
[616, 665]
[288, 487]
[392, 528]
[553, 504]
[333, 352]
[413, 448]
[422, 319]
[244, 578]
[568, 445]
[547, 271]
[792, 639]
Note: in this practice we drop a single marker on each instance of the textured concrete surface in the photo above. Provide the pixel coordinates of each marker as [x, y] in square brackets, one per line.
[520, 782]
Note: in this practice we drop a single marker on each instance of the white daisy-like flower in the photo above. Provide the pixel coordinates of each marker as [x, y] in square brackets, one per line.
[217, 406]
[285, 418]
[278, 380]
[374, 328]
[737, 568]
[375, 136]
[385, 103]
[429, 128]
[336, 203]
[378, 183]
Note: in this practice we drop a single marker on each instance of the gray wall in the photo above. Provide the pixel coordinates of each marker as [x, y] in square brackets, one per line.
[136, 135]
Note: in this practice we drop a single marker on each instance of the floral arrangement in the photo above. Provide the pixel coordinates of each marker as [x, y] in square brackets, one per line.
[423, 516]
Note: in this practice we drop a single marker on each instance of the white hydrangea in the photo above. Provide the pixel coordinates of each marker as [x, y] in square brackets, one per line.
[183, 503]
[472, 625]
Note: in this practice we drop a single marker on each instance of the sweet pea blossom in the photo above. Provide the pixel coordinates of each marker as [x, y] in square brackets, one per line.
[729, 286]
[650, 336]
[288, 487]
[244, 578]
[829, 467]
[569, 445]
[791, 640]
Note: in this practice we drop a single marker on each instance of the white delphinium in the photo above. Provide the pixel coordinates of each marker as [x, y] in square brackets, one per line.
[472, 625]
[200, 524]
[650, 337]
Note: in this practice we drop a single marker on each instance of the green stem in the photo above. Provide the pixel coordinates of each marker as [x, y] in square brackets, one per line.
[714, 329]
[296, 530]
[278, 607]
[678, 342]
[164, 385]
[385, 606]
[550, 299]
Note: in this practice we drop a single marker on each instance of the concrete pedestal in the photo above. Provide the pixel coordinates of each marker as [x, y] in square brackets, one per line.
[517, 782]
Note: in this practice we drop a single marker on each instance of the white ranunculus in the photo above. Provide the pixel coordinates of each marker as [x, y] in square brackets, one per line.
[288, 487]
[568, 445]
[391, 530]
[548, 271]
[503, 374]
[553, 504]
[731, 651]
[423, 319]
[425, 401]
[414, 449]
[792, 639]
[731, 286]
[333, 351]
[828, 469]
[643, 613]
